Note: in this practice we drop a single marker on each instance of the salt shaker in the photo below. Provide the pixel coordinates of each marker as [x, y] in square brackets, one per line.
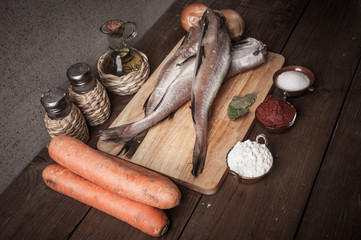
[62, 117]
[88, 94]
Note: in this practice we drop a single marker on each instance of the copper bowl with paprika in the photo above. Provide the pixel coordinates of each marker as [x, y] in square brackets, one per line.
[276, 115]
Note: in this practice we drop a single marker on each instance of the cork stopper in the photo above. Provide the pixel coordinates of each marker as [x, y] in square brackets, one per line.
[114, 28]
[114, 25]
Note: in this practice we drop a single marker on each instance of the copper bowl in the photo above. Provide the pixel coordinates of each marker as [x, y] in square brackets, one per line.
[244, 179]
[277, 129]
[300, 69]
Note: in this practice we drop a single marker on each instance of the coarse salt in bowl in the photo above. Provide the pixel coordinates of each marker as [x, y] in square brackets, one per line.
[294, 80]
[250, 161]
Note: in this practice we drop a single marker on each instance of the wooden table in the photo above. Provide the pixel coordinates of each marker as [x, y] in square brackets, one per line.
[314, 189]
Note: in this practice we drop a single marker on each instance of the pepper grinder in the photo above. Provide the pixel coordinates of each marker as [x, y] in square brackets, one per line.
[88, 94]
[62, 117]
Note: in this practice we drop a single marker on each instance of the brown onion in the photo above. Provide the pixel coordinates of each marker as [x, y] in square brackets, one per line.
[235, 24]
[192, 14]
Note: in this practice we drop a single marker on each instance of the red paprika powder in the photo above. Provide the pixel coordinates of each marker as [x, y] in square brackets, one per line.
[275, 112]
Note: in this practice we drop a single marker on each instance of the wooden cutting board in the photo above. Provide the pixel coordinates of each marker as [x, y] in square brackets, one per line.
[168, 146]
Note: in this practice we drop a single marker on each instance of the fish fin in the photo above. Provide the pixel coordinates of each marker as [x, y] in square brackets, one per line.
[200, 56]
[189, 34]
[145, 105]
[127, 146]
[241, 44]
[210, 112]
[131, 146]
[203, 23]
[114, 134]
[192, 108]
[185, 39]
[171, 115]
[181, 63]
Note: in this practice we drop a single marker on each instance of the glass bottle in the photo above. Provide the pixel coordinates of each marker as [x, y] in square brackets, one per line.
[121, 59]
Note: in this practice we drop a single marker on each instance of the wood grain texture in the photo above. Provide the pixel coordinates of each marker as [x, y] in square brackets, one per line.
[316, 167]
[168, 146]
[98, 225]
[273, 207]
[334, 209]
[31, 210]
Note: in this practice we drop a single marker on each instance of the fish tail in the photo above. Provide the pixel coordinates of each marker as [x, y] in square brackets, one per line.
[199, 157]
[115, 134]
[132, 145]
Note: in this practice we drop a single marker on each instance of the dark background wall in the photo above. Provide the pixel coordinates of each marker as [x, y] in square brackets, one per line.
[39, 40]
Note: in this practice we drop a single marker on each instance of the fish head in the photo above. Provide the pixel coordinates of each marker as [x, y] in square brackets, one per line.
[193, 32]
[249, 46]
[210, 16]
[212, 27]
[221, 18]
[203, 22]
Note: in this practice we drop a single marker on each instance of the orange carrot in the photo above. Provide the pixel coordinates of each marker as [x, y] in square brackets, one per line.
[121, 177]
[148, 219]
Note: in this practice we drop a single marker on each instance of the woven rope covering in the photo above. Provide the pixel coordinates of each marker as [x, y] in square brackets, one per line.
[73, 125]
[94, 104]
[127, 84]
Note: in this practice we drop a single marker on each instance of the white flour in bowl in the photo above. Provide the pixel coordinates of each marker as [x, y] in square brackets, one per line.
[249, 159]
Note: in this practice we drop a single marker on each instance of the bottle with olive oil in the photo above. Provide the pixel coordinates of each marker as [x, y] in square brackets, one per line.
[121, 59]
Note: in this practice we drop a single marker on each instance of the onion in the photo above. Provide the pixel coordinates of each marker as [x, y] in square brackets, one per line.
[235, 24]
[192, 14]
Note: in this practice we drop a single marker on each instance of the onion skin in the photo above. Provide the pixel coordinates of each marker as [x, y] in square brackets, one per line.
[235, 24]
[192, 14]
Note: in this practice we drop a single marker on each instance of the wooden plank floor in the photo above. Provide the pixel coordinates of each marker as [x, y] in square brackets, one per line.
[314, 189]
[335, 202]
